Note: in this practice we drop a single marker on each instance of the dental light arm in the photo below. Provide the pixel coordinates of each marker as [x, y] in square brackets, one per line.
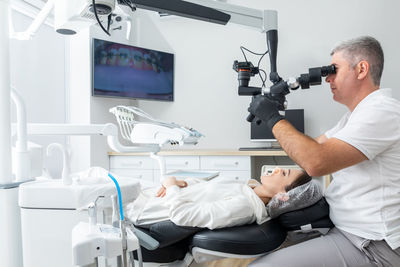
[110, 130]
[35, 25]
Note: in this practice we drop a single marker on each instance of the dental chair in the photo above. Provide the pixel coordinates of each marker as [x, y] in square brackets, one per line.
[179, 246]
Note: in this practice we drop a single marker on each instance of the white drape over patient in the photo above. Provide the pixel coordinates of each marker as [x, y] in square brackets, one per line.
[214, 204]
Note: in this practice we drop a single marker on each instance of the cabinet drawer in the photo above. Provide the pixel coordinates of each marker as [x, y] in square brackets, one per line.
[131, 162]
[240, 176]
[136, 174]
[225, 163]
[180, 163]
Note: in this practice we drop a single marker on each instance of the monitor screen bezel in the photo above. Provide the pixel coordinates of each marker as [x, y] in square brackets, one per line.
[129, 97]
[274, 139]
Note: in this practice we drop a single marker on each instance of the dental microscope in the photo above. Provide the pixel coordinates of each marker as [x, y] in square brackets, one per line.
[279, 88]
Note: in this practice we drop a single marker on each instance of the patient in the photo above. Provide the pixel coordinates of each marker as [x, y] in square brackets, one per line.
[213, 204]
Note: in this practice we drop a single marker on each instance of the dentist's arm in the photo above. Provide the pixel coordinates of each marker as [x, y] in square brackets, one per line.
[316, 158]
[319, 156]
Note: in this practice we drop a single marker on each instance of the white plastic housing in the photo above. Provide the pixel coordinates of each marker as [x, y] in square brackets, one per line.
[148, 133]
[50, 210]
[71, 16]
[30, 162]
[92, 241]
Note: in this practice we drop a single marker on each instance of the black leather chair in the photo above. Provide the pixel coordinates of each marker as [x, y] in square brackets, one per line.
[238, 242]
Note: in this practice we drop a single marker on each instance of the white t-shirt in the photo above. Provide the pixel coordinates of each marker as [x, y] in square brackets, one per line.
[365, 198]
[213, 204]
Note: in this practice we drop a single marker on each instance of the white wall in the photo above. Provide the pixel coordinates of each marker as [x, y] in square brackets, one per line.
[83, 108]
[206, 86]
[38, 73]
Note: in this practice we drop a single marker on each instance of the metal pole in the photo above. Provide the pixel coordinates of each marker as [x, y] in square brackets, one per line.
[10, 221]
[5, 121]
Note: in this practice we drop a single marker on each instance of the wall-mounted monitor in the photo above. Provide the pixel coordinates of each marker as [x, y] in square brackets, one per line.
[126, 71]
[261, 132]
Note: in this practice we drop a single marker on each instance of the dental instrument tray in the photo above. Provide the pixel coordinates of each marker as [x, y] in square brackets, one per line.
[151, 131]
[203, 175]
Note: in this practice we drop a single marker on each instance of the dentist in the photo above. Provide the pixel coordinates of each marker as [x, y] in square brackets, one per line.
[362, 152]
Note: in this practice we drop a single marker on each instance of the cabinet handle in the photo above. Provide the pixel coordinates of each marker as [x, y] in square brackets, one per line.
[137, 176]
[132, 164]
[227, 164]
[186, 163]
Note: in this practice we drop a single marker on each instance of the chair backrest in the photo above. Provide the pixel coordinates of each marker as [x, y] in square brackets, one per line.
[316, 216]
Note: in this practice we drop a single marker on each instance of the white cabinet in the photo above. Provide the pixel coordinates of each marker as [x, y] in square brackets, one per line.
[139, 167]
[144, 167]
[131, 162]
[173, 163]
[230, 167]
[225, 162]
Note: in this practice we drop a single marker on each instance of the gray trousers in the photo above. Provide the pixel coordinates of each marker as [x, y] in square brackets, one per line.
[335, 249]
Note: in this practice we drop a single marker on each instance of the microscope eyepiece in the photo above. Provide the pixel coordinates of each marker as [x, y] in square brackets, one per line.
[326, 70]
[313, 77]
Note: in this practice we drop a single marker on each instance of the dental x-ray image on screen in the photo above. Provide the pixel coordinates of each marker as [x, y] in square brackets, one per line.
[127, 71]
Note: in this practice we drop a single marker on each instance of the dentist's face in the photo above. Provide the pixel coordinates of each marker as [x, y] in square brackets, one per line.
[280, 178]
[344, 82]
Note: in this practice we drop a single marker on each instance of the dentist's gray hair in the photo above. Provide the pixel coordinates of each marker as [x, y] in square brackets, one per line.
[363, 48]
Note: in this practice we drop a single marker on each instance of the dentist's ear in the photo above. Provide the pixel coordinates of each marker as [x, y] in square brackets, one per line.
[362, 69]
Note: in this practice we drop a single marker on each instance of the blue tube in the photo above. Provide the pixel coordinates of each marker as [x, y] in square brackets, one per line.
[121, 212]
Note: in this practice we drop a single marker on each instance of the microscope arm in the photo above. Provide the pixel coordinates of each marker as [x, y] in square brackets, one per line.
[263, 20]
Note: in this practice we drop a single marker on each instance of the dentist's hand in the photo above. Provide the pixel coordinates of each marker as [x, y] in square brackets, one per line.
[170, 181]
[266, 109]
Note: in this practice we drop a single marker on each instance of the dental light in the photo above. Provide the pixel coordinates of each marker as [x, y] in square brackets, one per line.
[73, 15]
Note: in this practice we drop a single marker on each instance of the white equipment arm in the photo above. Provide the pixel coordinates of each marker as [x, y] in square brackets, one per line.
[110, 130]
[153, 131]
[37, 22]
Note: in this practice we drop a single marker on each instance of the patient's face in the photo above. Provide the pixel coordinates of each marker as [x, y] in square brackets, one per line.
[280, 178]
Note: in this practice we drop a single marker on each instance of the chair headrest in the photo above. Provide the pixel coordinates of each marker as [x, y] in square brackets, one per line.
[297, 198]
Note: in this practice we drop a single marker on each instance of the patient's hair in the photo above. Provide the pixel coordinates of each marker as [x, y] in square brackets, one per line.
[302, 179]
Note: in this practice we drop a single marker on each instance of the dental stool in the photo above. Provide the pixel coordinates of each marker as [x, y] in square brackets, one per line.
[246, 241]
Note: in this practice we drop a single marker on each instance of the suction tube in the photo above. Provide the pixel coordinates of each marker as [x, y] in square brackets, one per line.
[121, 212]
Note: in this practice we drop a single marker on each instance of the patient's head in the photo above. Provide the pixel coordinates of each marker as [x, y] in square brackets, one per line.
[280, 181]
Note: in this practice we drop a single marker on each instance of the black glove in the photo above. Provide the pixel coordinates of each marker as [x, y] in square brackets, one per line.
[266, 109]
